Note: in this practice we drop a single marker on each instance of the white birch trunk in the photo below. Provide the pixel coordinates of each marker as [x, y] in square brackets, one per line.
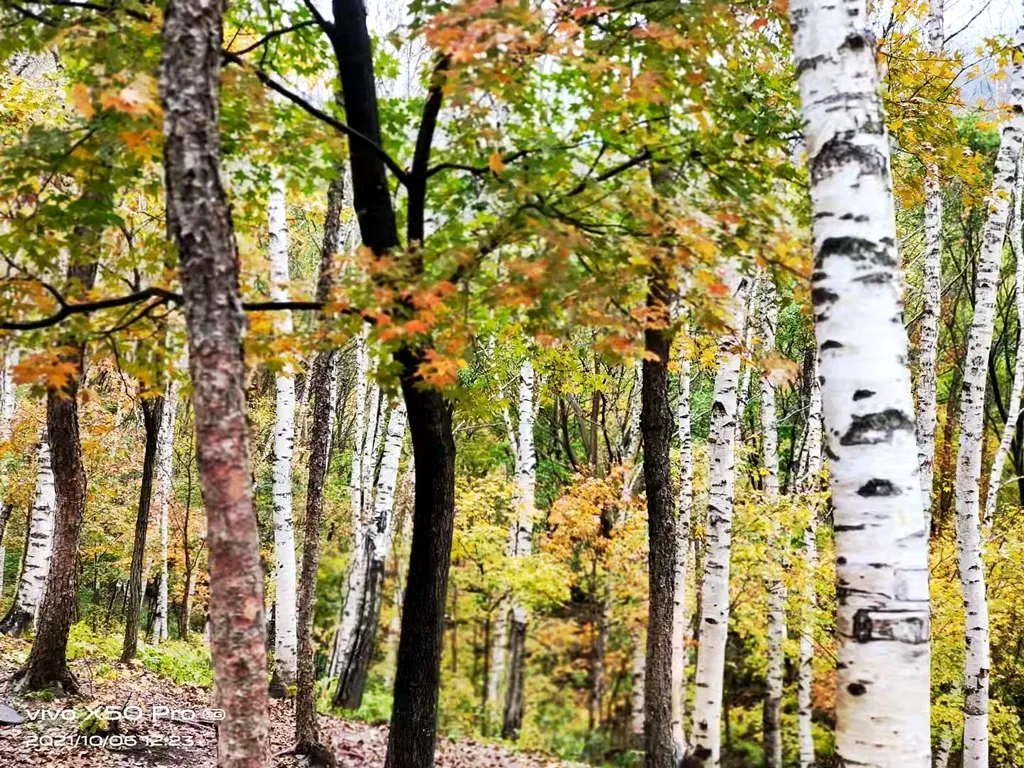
[679, 617]
[636, 710]
[972, 407]
[285, 630]
[707, 714]
[164, 476]
[359, 431]
[882, 615]
[520, 535]
[32, 585]
[927, 418]
[769, 315]
[1013, 407]
[383, 527]
[8, 394]
[805, 673]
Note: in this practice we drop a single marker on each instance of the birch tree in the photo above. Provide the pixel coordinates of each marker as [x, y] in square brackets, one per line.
[164, 478]
[378, 535]
[769, 317]
[520, 544]
[928, 344]
[285, 638]
[972, 432]
[684, 546]
[995, 476]
[809, 484]
[22, 613]
[882, 621]
[707, 713]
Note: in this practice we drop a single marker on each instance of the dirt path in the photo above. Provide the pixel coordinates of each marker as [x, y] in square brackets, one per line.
[170, 725]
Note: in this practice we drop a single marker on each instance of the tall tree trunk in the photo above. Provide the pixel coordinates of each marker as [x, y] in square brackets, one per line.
[931, 295]
[683, 546]
[152, 417]
[9, 392]
[707, 714]
[200, 222]
[769, 316]
[38, 548]
[657, 426]
[47, 665]
[284, 442]
[352, 678]
[995, 476]
[414, 712]
[882, 621]
[321, 429]
[362, 459]
[164, 478]
[810, 483]
[521, 541]
[972, 433]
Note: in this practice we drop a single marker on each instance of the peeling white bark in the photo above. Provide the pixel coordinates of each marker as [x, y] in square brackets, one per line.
[383, 525]
[972, 407]
[285, 628]
[1013, 407]
[32, 585]
[805, 673]
[164, 476]
[882, 616]
[520, 535]
[931, 297]
[680, 620]
[707, 714]
[768, 312]
[9, 390]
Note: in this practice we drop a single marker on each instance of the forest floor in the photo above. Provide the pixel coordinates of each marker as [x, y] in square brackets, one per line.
[170, 725]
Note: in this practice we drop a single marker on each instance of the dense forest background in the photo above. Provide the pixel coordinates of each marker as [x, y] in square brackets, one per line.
[592, 198]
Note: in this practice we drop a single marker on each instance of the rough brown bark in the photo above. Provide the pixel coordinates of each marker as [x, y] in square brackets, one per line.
[199, 221]
[47, 665]
[152, 414]
[657, 425]
[306, 736]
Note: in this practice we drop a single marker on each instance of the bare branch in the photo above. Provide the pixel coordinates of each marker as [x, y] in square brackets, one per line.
[319, 114]
[275, 34]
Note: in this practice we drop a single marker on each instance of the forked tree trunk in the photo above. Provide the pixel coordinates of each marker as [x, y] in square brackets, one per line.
[768, 312]
[657, 427]
[521, 541]
[200, 223]
[379, 533]
[882, 616]
[927, 418]
[707, 714]
[47, 665]
[38, 549]
[284, 443]
[972, 433]
[152, 417]
[809, 484]
[164, 478]
[995, 476]
[321, 429]
[683, 546]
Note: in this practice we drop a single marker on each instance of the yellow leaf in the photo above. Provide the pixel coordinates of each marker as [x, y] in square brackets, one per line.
[82, 100]
[495, 164]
